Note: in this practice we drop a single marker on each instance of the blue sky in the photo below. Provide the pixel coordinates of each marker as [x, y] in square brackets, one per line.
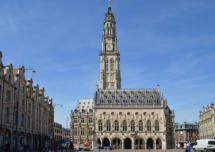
[166, 42]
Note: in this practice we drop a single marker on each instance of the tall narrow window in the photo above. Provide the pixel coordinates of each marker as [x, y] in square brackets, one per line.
[111, 65]
[108, 127]
[148, 125]
[82, 131]
[106, 65]
[22, 120]
[7, 115]
[90, 131]
[124, 125]
[156, 125]
[29, 122]
[140, 125]
[75, 131]
[116, 125]
[100, 125]
[8, 95]
[132, 126]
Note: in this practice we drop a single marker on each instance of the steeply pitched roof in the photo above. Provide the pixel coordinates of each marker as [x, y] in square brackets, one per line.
[128, 98]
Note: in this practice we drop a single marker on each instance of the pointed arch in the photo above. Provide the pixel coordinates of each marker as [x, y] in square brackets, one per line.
[124, 125]
[149, 125]
[116, 125]
[140, 125]
[108, 125]
[158, 144]
[132, 126]
[100, 127]
[156, 125]
[111, 64]
[106, 65]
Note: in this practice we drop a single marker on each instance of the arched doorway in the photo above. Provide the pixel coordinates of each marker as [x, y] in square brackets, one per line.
[127, 143]
[106, 142]
[6, 134]
[98, 143]
[139, 143]
[28, 138]
[116, 142]
[150, 143]
[158, 144]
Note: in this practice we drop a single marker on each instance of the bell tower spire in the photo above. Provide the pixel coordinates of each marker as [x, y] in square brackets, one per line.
[109, 5]
[109, 76]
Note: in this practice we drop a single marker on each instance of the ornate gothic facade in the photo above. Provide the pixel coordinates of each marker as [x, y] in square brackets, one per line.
[124, 118]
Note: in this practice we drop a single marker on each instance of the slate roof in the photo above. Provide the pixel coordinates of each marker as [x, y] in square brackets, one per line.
[125, 97]
[85, 105]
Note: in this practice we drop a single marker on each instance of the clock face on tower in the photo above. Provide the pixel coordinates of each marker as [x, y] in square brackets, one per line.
[109, 47]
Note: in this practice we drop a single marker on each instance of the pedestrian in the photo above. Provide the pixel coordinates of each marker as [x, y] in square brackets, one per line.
[8, 147]
[188, 149]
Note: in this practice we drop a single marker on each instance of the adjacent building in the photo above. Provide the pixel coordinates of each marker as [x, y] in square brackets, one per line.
[82, 125]
[123, 118]
[186, 132]
[207, 122]
[26, 113]
[66, 134]
[57, 132]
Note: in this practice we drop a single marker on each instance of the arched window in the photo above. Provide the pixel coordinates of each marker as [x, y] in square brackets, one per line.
[148, 125]
[140, 125]
[100, 125]
[111, 65]
[156, 125]
[132, 126]
[106, 65]
[124, 125]
[108, 127]
[116, 125]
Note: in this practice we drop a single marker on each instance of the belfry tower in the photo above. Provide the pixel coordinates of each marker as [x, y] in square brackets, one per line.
[109, 76]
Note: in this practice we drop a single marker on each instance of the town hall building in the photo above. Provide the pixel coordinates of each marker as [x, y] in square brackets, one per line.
[121, 118]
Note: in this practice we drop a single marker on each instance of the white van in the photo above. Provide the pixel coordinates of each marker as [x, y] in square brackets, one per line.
[204, 145]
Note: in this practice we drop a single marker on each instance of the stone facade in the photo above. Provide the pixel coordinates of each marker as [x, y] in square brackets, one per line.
[24, 110]
[207, 122]
[186, 132]
[123, 118]
[82, 122]
[133, 119]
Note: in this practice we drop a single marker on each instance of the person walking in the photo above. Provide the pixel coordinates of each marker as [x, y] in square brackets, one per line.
[188, 149]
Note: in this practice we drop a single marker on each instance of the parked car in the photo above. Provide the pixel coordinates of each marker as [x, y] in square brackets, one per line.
[204, 145]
